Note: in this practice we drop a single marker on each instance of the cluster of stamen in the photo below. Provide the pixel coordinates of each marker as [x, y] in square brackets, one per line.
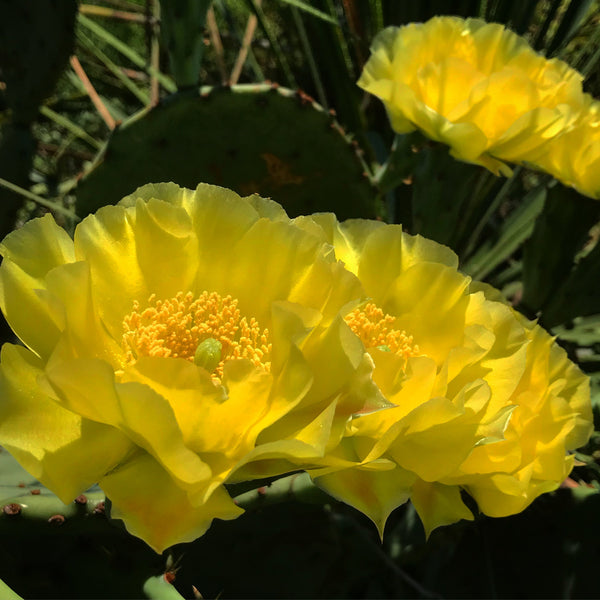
[176, 327]
[377, 330]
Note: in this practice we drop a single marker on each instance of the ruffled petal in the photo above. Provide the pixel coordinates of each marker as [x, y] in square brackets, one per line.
[29, 254]
[65, 451]
[154, 508]
[375, 493]
[438, 505]
[139, 412]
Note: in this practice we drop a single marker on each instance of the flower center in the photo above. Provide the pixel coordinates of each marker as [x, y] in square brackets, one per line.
[208, 331]
[376, 330]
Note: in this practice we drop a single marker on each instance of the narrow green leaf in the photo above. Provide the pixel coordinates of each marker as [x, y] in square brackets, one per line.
[492, 208]
[308, 53]
[126, 51]
[311, 10]
[515, 230]
[559, 233]
[571, 21]
[268, 31]
[87, 43]
[39, 200]
[578, 295]
[70, 126]
[593, 43]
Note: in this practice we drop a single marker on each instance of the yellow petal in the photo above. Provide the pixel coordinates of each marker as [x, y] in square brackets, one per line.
[438, 505]
[29, 254]
[106, 241]
[138, 411]
[374, 493]
[475, 86]
[387, 254]
[85, 334]
[155, 509]
[65, 451]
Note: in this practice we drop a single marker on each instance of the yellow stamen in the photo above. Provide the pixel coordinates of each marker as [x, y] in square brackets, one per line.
[377, 330]
[184, 327]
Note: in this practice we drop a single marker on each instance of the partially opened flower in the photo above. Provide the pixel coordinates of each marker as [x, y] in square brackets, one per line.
[574, 156]
[485, 400]
[475, 86]
[174, 330]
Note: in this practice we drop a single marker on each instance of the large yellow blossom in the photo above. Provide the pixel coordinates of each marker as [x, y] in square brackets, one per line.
[475, 86]
[174, 329]
[484, 400]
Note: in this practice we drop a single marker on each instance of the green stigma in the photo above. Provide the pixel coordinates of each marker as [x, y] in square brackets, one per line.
[208, 354]
[384, 348]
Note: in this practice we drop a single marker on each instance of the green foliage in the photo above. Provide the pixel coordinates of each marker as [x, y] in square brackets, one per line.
[182, 27]
[549, 255]
[36, 39]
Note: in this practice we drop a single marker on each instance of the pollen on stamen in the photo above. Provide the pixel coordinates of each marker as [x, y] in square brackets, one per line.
[175, 328]
[377, 330]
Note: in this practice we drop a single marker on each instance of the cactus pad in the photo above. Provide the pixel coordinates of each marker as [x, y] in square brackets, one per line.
[14, 480]
[251, 138]
[37, 39]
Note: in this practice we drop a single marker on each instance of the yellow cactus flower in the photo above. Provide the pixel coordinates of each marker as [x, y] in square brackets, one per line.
[483, 400]
[475, 86]
[574, 156]
[178, 337]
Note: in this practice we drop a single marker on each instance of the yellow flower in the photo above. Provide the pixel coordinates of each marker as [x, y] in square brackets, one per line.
[474, 86]
[574, 156]
[178, 337]
[484, 400]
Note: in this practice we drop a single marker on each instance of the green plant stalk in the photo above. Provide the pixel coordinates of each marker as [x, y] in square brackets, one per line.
[376, 9]
[182, 29]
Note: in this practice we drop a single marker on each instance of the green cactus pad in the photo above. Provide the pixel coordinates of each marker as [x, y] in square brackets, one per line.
[251, 138]
[14, 480]
[23, 495]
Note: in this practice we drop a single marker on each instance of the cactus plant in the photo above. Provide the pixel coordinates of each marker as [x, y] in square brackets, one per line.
[37, 39]
[251, 138]
[182, 31]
